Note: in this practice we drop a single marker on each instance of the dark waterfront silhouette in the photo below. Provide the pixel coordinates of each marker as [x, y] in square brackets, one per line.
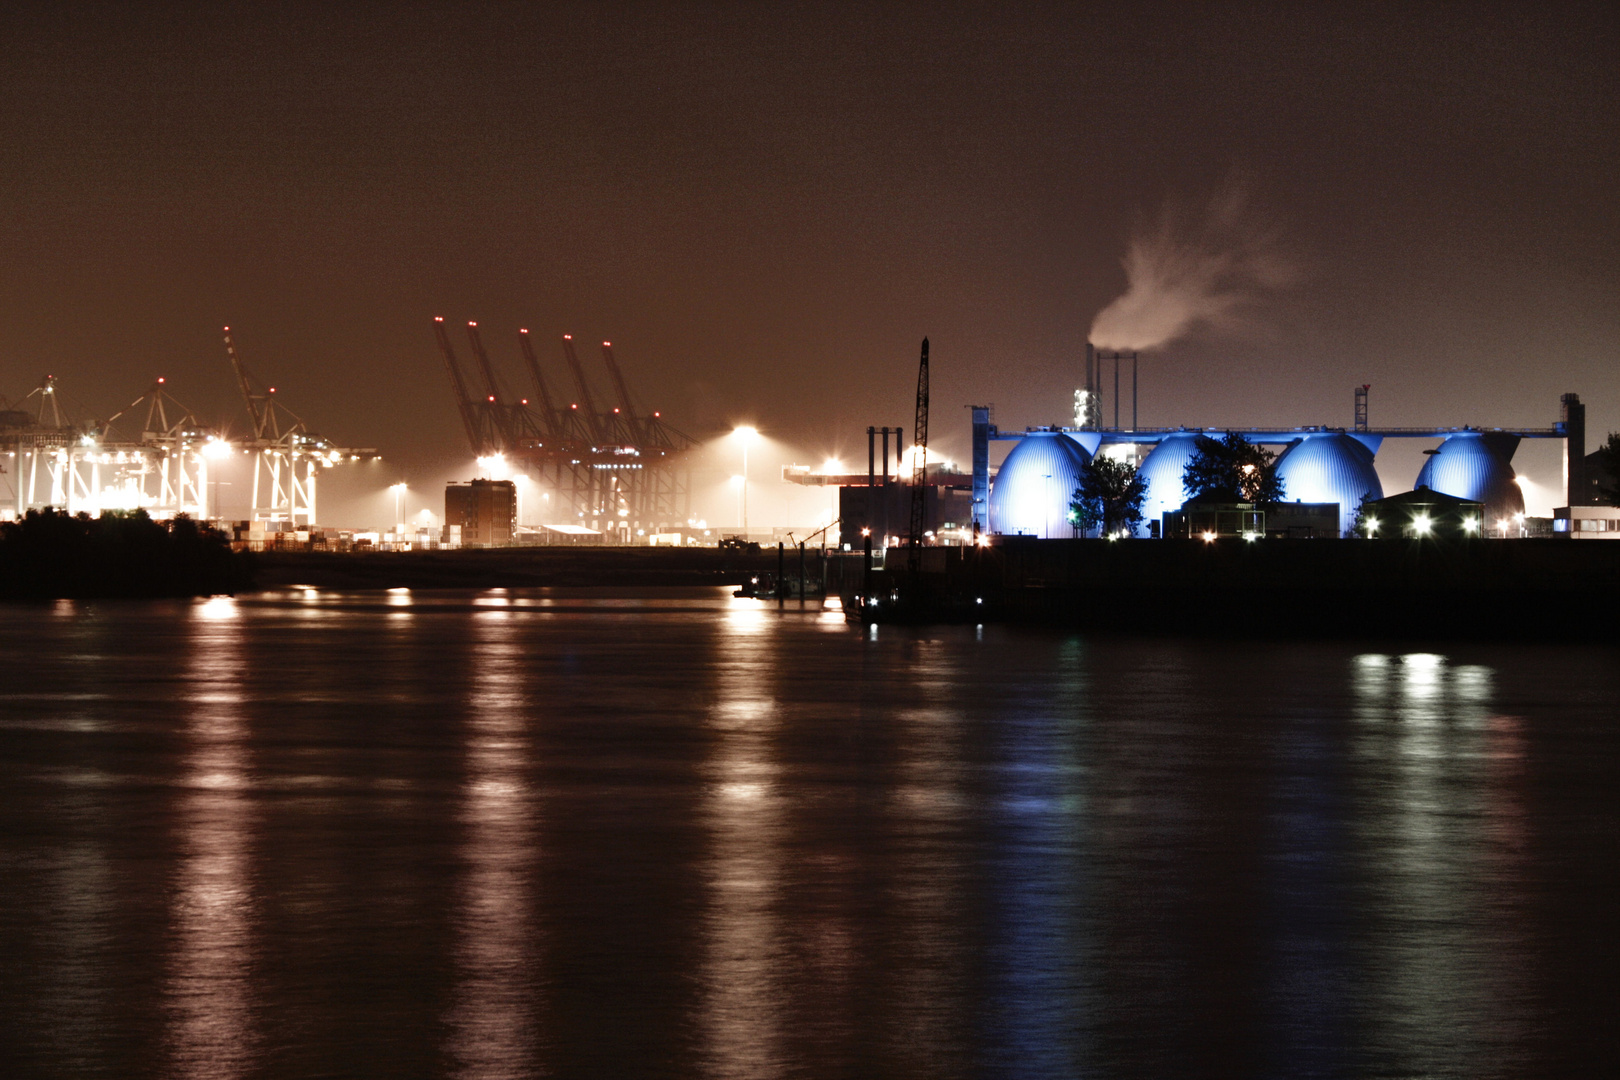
[591, 833]
[48, 554]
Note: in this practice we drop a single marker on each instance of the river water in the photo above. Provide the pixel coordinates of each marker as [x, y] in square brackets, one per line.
[598, 834]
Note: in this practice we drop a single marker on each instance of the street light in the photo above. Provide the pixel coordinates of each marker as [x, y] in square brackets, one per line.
[746, 435]
[399, 506]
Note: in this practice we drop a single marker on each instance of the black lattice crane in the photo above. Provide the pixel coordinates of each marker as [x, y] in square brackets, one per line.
[919, 469]
[628, 425]
[548, 407]
[600, 432]
[517, 425]
[482, 435]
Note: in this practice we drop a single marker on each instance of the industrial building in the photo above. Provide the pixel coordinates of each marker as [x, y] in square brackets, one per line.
[1424, 512]
[1030, 494]
[480, 513]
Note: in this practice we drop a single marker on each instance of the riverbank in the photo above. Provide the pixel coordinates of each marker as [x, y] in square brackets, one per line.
[517, 567]
[1497, 589]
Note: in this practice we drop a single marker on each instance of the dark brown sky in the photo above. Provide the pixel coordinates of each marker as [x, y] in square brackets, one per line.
[766, 206]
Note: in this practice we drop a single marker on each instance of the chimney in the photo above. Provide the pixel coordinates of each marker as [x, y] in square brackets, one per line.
[1573, 417]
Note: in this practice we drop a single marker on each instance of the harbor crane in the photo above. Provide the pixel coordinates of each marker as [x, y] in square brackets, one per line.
[615, 469]
[286, 454]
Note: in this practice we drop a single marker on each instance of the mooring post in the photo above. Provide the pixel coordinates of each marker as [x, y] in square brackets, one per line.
[866, 575]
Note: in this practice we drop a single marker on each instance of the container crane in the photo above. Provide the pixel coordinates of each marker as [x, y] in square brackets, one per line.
[629, 426]
[481, 436]
[600, 433]
[515, 423]
[919, 469]
[548, 408]
[286, 454]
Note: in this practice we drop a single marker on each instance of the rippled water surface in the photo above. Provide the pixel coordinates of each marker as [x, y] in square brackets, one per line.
[607, 835]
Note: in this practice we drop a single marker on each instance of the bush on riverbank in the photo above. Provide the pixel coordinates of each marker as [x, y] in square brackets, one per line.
[53, 555]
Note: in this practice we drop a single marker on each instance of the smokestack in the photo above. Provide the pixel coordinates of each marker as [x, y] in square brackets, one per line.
[1573, 415]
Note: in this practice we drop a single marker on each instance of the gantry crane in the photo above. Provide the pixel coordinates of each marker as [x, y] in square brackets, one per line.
[482, 432]
[608, 468]
[286, 454]
[628, 428]
[600, 431]
[519, 427]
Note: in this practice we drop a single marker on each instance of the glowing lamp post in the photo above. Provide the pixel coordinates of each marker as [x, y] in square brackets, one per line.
[745, 435]
[399, 506]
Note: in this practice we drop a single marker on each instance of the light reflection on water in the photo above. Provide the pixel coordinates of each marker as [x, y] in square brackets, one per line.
[941, 852]
[743, 951]
[493, 1003]
[208, 993]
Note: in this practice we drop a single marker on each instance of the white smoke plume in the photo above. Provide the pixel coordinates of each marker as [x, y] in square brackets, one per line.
[1195, 268]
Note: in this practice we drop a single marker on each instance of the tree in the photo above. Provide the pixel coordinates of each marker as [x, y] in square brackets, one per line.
[1232, 470]
[1608, 460]
[1364, 527]
[1110, 495]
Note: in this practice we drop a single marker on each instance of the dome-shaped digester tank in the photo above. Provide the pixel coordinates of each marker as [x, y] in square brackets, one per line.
[1330, 467]
[1475, 465]
[1032, 490]
[1161, 472]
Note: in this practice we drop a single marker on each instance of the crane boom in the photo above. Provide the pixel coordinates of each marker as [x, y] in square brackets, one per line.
[254, 401]
[547, 406]
[592, 419]
[500, 418]
[627, 412]
[919, 468]
[469, 416]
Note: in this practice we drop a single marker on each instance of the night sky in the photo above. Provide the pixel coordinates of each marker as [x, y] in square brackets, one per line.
[766, 207]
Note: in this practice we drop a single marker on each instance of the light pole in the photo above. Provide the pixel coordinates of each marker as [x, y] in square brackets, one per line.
[399, 506]
[747, 435]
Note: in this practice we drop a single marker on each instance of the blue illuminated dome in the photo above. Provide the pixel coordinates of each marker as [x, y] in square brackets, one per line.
[1475, 465]
[1330, 467]
[1032, 491]
[1162, 471]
